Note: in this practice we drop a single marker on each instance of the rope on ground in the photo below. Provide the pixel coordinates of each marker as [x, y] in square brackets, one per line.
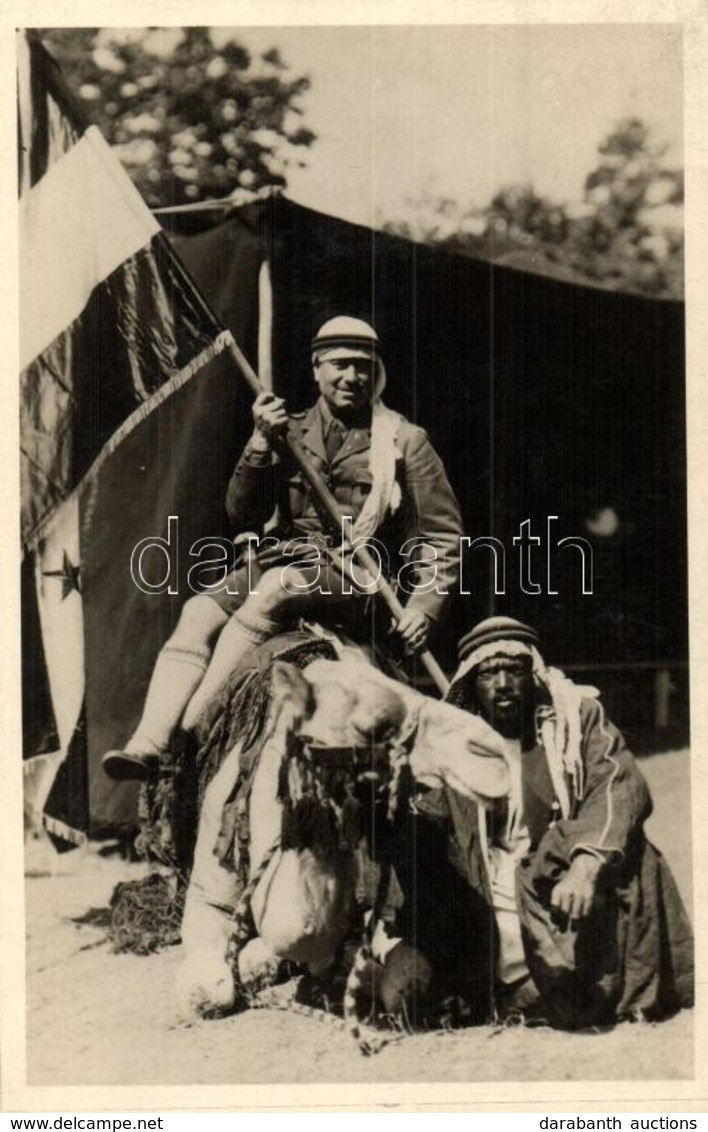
[370, 1039]
[146, 914]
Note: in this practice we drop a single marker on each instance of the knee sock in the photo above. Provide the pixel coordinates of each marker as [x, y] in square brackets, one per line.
[177, 674]
[244, 631]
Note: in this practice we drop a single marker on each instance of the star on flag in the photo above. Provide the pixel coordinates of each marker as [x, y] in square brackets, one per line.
[69, 574]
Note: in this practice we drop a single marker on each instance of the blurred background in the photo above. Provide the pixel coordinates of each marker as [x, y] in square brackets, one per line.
[552, 148]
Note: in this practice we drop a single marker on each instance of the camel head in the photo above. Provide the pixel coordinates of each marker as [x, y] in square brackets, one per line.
[346, 706]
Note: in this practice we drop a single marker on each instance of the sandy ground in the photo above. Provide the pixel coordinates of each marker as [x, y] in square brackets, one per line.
[119, 1009]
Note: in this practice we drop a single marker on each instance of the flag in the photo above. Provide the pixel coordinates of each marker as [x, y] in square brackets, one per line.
[128, 416]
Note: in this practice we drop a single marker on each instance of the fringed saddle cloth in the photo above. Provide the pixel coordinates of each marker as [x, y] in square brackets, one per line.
[239, 715]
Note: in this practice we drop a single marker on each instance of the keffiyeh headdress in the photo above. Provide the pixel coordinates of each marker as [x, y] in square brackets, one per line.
[557, 719]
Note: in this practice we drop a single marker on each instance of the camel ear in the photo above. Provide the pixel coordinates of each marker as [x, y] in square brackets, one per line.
[291, 691]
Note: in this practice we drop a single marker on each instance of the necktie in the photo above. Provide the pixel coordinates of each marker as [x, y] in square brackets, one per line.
[334, 438]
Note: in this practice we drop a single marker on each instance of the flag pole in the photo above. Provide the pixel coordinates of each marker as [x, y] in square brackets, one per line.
[57, 84]
[322, 495]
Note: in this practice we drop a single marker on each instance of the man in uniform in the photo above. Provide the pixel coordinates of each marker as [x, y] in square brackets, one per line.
[569, 912]
[383, 473]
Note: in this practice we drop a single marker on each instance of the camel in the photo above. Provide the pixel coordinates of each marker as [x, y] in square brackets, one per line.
[333, 714]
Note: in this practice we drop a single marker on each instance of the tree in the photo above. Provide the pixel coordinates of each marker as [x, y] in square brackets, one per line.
[626, 233]
[631, 228]
[189, 121]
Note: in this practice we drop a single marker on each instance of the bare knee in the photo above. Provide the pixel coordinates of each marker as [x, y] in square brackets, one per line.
[280, 590]
[200, 621]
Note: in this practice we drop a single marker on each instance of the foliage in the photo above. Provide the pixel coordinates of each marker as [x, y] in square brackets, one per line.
[189, 121]
[626, 233]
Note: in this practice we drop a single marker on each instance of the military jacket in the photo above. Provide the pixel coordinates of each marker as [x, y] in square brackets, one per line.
[429, 512]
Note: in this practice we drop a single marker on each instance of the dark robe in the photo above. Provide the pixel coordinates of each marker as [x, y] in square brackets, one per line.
[632, 957]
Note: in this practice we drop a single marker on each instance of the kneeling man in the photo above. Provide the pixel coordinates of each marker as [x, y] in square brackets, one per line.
[584, 924]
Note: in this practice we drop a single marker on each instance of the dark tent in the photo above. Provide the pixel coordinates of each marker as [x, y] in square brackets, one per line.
[544, 398]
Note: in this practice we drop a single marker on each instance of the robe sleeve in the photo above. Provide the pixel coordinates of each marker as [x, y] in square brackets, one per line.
[615, 798]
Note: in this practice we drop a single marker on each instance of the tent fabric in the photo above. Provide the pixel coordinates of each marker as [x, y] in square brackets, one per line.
[543, 398]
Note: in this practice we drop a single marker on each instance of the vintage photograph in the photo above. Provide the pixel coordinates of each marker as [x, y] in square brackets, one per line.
[354, 579]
